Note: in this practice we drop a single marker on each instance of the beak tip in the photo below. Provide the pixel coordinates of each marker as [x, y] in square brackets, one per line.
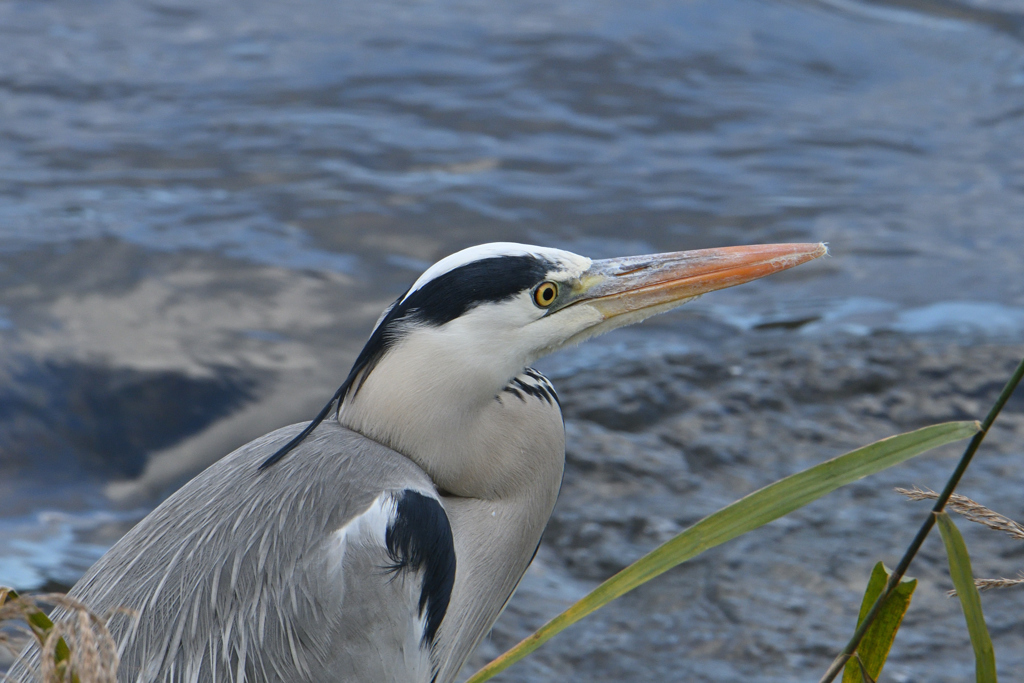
[802, 253]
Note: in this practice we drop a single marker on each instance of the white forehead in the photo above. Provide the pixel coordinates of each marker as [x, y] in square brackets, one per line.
[566, 262]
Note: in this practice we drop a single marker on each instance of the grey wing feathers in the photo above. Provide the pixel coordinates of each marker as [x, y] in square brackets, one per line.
[263, 576]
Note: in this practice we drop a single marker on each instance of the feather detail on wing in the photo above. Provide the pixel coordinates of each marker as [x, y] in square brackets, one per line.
[282, 574]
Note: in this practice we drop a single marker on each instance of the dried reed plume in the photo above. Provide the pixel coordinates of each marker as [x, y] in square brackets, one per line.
[971, 510]
[978, 513]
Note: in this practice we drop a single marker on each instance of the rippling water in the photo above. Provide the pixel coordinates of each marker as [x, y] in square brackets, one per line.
[204, 205]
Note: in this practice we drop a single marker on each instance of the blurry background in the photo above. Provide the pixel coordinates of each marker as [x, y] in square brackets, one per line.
[205, 205]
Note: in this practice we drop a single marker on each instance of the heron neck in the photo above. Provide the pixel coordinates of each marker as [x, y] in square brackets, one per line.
[486, 444]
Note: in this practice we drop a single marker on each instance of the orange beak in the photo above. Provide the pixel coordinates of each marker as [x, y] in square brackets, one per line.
[639, 286]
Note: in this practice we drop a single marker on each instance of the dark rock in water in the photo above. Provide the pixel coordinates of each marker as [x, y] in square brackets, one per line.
[69, 420]
[628, 398]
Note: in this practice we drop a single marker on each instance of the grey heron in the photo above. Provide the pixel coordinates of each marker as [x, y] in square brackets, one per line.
[381, 541]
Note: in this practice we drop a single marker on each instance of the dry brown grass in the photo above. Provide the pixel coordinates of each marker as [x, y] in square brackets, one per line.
[970, 510]
[76, 649]
[979, 514]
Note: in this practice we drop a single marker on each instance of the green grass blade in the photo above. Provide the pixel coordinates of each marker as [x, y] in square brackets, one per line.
[970, 601]
[751, 512]
[877, 643]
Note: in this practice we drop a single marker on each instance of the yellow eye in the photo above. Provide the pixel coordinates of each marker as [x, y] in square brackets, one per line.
[545, 294]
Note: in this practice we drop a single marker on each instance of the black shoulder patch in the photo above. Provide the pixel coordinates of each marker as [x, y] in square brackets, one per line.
[420, 539]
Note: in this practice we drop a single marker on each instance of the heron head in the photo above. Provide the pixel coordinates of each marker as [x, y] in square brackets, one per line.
[490, 310]
[477, 318]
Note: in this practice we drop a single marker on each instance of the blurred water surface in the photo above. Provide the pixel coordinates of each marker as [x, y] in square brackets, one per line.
[205, 205]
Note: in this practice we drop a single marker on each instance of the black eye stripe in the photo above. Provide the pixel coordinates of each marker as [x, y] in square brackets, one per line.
[439, 301]
[445, 298]
[486, 281]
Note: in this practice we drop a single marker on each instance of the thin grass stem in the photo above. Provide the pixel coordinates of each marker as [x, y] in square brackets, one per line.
[940, 503]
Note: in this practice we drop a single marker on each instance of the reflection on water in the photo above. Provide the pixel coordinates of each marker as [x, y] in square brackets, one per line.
[192, 188]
